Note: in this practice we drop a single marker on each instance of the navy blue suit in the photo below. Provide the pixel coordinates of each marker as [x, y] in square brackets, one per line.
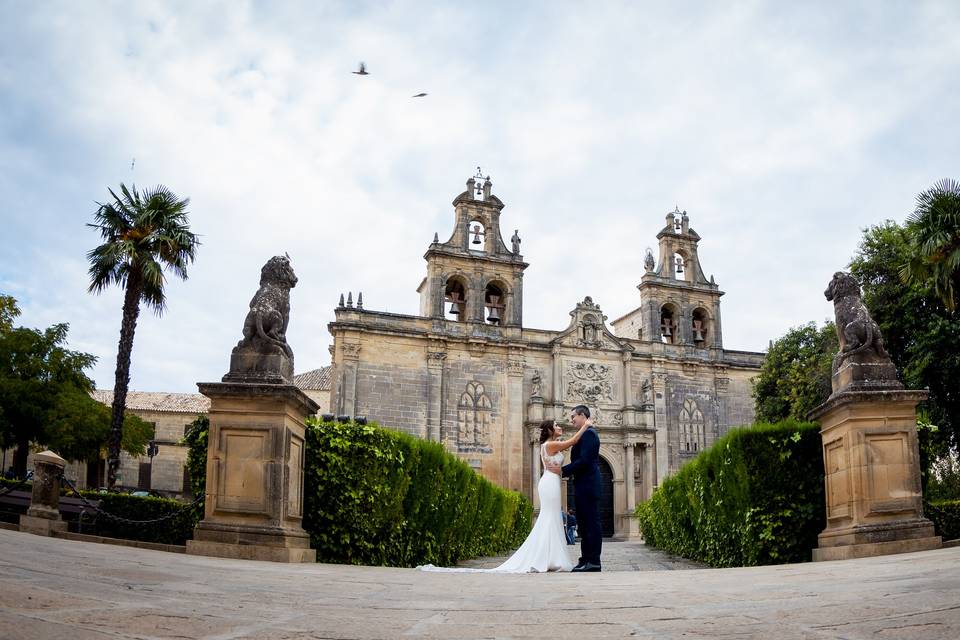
[585, 469]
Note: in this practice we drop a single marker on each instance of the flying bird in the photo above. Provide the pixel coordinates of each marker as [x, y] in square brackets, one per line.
[362, 71]
[419, 95]
[132, 162]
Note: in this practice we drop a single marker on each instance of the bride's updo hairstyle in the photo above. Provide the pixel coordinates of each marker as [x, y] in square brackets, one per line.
[546, 430]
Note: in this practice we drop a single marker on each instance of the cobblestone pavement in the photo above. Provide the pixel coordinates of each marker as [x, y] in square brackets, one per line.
[51, 588]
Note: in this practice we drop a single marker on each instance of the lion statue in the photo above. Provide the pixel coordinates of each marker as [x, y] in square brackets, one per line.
[856, 330]
[265, 327]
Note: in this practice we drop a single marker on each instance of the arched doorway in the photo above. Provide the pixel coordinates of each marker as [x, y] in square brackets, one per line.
[606, 498]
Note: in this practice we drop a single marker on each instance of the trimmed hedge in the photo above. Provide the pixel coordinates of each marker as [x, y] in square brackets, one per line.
[378, 497]
[175, 530]
[945, 515]
[754, 498]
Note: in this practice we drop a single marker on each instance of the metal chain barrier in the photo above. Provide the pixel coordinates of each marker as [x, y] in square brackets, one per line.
[121, 519]
[22, 483]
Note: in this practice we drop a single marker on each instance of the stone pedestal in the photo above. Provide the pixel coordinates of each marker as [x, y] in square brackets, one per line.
[43, 516]
[872, 475]
[254, 494]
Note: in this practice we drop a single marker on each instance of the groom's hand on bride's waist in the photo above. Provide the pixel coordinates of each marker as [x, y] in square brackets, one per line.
[553, 467]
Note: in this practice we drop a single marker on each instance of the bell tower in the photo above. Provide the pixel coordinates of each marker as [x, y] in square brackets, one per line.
[678, 304]
[474, 277]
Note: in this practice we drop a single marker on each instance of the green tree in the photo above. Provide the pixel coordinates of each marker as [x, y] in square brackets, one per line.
[795, 376]
[78, 428]
[921, 334]
[144, 233]
[9, 311]
[35, 370]
[934, 230]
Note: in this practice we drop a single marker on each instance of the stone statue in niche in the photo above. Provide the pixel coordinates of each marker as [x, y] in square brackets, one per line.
[263, 354]
[536, 385]
[645, 391]
[862, 362]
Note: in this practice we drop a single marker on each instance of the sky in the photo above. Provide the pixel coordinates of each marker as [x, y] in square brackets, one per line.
[783, 129]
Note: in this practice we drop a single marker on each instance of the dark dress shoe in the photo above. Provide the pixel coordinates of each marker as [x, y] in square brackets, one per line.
[588, 566]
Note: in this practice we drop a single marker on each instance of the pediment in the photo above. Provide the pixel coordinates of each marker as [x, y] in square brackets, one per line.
[588, 330]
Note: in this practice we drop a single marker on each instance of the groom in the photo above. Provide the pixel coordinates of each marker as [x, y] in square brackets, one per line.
[585, 469]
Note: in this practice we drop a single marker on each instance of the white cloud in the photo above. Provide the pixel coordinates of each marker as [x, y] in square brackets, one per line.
[782, 130]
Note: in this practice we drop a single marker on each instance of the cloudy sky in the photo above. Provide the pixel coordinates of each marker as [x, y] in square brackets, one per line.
[782, 128]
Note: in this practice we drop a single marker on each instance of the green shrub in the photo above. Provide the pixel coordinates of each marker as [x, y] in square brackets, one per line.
[173, 530]
[945, 515]
[195, 439]
[378, 497]
[755, 497]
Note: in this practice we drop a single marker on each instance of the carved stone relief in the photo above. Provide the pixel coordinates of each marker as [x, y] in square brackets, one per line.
[473, 419]
[589, 382]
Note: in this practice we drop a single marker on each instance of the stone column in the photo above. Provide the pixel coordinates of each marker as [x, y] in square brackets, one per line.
[872, 475]
[43, 516]
[351, 359]
[513, 421]
[660, 423]
[632, 529]
[435, 360]
[649, 470]
[255, 456]
[535, 469]
[630, 484]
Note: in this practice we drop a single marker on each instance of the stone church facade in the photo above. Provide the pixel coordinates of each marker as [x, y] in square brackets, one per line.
[467, 373]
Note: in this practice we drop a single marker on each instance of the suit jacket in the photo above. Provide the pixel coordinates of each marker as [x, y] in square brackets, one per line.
[585, 462]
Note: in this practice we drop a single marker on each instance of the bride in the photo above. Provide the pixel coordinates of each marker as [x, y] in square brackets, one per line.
[545, 549]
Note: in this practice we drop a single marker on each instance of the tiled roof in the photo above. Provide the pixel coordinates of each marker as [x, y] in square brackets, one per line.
[158, 401]
[318, 379]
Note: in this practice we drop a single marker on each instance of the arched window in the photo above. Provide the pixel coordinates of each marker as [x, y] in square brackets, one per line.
[679, 267]
[692, 434]
[494, 302]
[478, 237]
[700, 329]
[668, 324]
[455, 299]
[473, 418]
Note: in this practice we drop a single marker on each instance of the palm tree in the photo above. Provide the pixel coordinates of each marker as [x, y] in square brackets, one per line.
[143, 234]
[934, 228]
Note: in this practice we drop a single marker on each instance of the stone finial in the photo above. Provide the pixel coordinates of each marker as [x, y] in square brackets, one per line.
[862, 362]
[436, 238]
[341, 304]
[360, 300]
[349, 299]
[263, 354]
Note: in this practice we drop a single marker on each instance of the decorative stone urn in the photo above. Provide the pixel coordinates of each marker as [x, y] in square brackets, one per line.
[870, 451]
[255, 455]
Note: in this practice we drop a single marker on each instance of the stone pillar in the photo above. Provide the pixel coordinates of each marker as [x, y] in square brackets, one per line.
[43, 516]
[660, 423]
[535, 469]
[513, 421]
[254, 494]
[632, 528]
[649, 469]
[872, 475]
[435, 360]
[351, 359]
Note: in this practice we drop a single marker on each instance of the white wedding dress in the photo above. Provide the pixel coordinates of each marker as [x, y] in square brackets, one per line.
[545, 549]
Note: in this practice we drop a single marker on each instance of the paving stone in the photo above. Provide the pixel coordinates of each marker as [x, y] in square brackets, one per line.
[91, 591]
